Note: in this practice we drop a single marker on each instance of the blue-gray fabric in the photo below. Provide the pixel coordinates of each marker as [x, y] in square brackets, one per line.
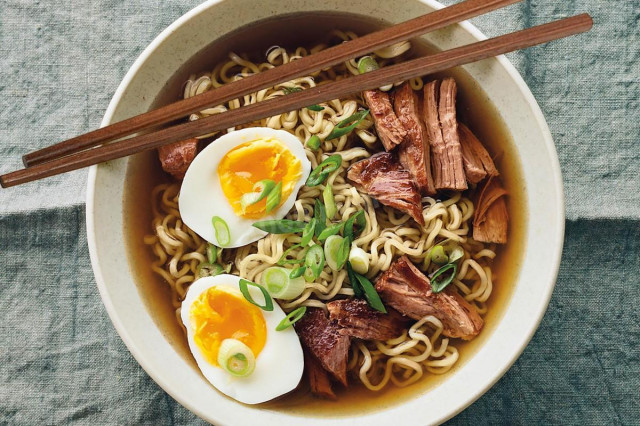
[61, 360]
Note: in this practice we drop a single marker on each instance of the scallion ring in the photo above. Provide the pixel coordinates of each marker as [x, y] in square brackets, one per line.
[280, 285]
[307, 233]
[438, 256]
[314, 260]
[329, 202]
[331, 250]
[314, 142]
[297, 272]
[212, 253]
[223, 236]
[293, 317]
[273, 199]
[236, 358]
[206, 269]
[347, 125]
[260, 190]
[439, 281]
[456, 254]
[244, 289]
[367, 64]
[324, 169]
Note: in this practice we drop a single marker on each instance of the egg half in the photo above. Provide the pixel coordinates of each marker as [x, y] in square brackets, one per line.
[214, 309]
[228, 168]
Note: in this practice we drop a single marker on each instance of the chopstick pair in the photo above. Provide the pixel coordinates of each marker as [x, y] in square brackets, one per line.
[74, 153]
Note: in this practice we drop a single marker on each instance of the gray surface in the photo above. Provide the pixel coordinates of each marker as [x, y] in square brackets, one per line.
[60, 358]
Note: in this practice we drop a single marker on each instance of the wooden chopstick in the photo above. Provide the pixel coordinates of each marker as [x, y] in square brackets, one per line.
[402, 71]
[326, 58]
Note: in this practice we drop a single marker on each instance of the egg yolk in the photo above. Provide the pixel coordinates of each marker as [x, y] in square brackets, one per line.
[251, 162]
[222, 313]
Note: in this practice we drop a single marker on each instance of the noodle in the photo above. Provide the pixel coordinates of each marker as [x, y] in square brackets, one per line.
[387, 235]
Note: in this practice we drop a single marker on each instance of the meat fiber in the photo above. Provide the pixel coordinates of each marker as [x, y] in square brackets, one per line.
[477, 161]
[490, 218]
[359, 320]
[382, 177]
[408, 290]
[176, 157]
[322, 338]
[390, 130]
[414, 151]
[318, 378]
[442, 129]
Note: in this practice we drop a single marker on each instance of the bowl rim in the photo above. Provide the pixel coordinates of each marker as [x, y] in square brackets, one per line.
[557, 237]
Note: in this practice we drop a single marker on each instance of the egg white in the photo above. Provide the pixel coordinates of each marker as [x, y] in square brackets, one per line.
[279, 365]
[201, 195]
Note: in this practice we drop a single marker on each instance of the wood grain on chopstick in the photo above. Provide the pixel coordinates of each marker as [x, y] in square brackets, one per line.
[326, 58]
[402, 71]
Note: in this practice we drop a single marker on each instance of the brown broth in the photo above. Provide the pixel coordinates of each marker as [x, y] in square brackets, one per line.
[144, 173]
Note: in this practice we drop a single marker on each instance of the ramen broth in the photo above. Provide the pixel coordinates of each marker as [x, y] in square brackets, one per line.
[474, 109]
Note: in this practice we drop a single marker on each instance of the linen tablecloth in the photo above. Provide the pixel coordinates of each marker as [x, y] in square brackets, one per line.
[61, 360]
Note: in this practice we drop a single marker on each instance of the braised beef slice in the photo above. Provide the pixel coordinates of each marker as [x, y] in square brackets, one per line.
[323, 340]
[390, 130]
[359, 320]
[414, 151]
[490, 219]
[477, 161]
[382, 177]
[408, 290]
[318, 378]
[176, 157]
[439, 110]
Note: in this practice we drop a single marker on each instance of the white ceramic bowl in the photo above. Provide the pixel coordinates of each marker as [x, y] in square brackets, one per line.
[543, 234]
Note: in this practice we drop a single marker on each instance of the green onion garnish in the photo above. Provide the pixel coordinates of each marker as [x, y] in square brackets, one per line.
[438, 255]
[320, 214]
[314, 260]
[370, 293]
[236, 358]
[331, 249]
[280, 285]
[329, 202]
[297, 272]
[314, 142]
[212, 253]
[357, 290]
[293, 317]
[284, 259]
[260, 190]
[439, 281]
[290, 90]
[273, 199]
[206, 269]
[307, 232]
[316, 108]
[367, 64]
[456, 254]
[223, 236]
[332, 230]
[308, 275]
[324, 169]
[244, 289]
[343, 252]
[347, 125]
[280, 226]
[358, 219]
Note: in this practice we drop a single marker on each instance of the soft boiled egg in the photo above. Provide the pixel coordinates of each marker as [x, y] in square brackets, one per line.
[229, 168]
[216, 313]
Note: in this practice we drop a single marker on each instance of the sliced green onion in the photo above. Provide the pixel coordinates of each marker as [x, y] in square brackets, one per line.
[320, 214]
[343, 252]
[280, 285]
[307, 233]
[357, 290]
[324, 169]
[456, 254]
[358, 220]
[212, 253]
[308, 275]
[331, 251]
[244, 289]
[223, 236]
[290, 90]
[314, 142]
[236, 358]
[370, 293]
[280, 226]
[329, 202]
[293, 317]
[438, 256]
[367, 64]
[315, 108]
[314, 260]
[359, 260]
[284, 259]
[206, 269]
[331, 230]
[273, 199]
[440, 280]
[347, 125]
[297, 272]
[260, 190]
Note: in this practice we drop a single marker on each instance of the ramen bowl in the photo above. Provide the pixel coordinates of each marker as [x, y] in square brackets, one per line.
[140, 313]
